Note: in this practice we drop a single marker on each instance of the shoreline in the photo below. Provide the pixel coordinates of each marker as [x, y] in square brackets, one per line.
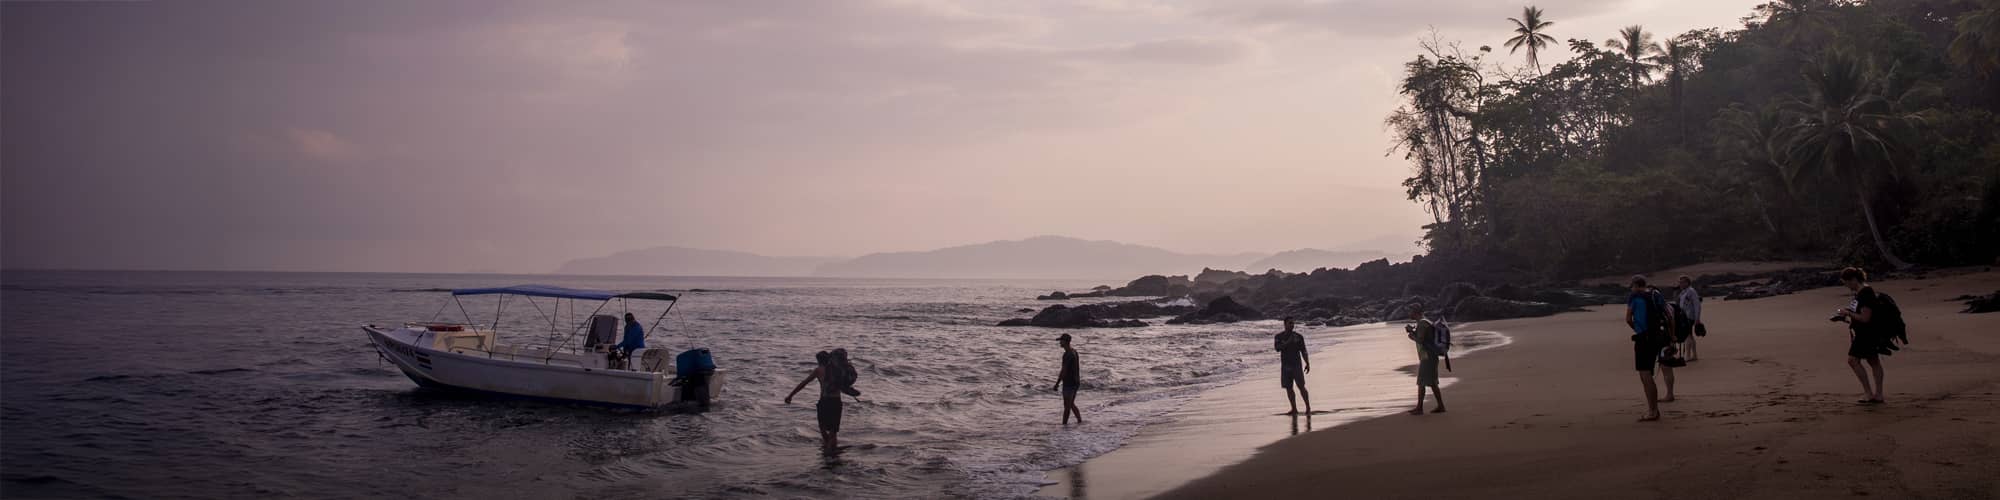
[1363, 372]
[1767, 412]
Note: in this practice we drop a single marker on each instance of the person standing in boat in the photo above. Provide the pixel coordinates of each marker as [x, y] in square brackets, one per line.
[829, 406]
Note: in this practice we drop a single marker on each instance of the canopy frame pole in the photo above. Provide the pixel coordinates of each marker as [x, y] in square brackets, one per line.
[572, 332]
[497, 307]
[663, 317]
[538, 310]
[461, 310]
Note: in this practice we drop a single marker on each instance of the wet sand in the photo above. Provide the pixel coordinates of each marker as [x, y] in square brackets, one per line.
[1767, 412]
[1368, 373]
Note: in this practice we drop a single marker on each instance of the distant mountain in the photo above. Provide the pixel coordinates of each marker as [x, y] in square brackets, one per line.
[681, 261]
[1307, 259]
[1051, 257]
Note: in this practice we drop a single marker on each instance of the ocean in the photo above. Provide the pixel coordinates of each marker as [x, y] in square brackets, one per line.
[234, 385]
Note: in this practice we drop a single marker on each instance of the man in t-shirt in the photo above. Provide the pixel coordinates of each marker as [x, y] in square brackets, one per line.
[1293, 364]
[1068, 381]
[1645, 313]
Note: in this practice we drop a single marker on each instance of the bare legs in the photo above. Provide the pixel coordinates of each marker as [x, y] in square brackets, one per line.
[1652, 397]
[1689, 348]
[1302, 394]
[1069, 407]
[1420, 400]
[1668, 371]
[1869, 393]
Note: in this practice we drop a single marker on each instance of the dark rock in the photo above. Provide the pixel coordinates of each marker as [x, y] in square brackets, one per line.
[1025, 310]
[1112, 315]
[1218, 276]
[1508, 291]
[1452, 293]
[1987, 304]
[1146, 286]
[1101, 288]
[1485, 308]
[1054, 296]
[1220, 310]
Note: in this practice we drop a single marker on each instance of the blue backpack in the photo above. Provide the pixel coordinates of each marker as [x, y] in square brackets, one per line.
[694, 362]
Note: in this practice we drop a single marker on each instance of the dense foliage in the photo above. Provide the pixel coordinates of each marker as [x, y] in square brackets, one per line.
[1838, 131]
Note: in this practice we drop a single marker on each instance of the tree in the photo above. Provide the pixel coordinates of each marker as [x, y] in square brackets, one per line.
[1529, 32]
[1851, 126]
[1636, 46]
[1795, 20]
[1436, 131]
[1977, 45]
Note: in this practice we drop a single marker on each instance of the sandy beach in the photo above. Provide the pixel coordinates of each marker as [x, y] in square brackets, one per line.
[1767, 412]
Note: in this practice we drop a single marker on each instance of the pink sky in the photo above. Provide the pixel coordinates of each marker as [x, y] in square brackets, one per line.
[453, 136]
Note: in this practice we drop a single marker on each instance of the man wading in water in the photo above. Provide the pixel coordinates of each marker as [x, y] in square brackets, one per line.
[835, 377]
[1069, 379]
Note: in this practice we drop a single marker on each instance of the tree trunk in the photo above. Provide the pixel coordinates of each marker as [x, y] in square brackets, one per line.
[1764, 210]
[1868, 211]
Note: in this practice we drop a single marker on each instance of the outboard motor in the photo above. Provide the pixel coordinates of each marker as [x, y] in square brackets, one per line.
[692, 369]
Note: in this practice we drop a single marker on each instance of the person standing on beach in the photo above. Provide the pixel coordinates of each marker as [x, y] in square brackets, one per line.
[1424, 333]
[1865, 341]
[829, 406]
[1293, 365]
[1689, 317]
[1069, 380]
[1645, 311]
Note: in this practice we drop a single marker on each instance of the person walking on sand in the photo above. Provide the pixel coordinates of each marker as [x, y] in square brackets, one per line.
[829, 406]
[1069, 380]
[1865, 341]
[1293, 365]
[1645, 312]
[1424, 333]
[1688, 320]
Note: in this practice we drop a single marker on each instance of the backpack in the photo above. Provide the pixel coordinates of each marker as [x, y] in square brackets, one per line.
[842, 375]
[1440, 337]
[1656, 313]
[1888, 319]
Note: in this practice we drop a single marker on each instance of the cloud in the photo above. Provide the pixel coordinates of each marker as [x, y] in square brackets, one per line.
[1391, 18]
[320, 144]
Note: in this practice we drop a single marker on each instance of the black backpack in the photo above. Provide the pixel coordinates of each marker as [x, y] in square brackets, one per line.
[1656, 313]
[1888, 319]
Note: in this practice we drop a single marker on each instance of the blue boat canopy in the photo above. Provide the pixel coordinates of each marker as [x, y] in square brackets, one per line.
[562, 293]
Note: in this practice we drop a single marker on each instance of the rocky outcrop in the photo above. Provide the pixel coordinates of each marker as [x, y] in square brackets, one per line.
[1112, 315]
[1220, 310]
[1485, 308]
[1154, 286]
[1449, 296]
[1057, 295]
[1218, 276]
[1976, 304]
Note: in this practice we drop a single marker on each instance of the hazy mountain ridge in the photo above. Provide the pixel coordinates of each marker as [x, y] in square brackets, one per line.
[1038, 257]
[683, 261]
[1042, 257]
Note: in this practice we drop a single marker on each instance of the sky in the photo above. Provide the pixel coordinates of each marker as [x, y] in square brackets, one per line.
[453, 136]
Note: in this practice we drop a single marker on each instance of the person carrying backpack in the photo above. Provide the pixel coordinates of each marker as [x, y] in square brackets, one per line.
[835, 377]
[1873, 321]
[1429, 347]
[1646, 314]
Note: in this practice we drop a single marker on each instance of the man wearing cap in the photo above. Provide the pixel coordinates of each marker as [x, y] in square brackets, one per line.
[1293, 364]
[1071, 377]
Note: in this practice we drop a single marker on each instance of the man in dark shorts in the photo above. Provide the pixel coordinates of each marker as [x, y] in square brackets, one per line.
[1293, 364]
[829, 406]
[1645, 313]
[1068, 381]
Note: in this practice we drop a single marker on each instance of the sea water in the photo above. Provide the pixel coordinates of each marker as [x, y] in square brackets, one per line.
[183, 384]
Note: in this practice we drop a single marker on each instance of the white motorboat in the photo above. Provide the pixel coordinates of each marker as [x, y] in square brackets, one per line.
[469, 357]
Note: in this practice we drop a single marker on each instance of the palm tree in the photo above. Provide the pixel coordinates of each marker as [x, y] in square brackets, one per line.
[1978, 43]
[1528, 33]
[1851, 127]
[1635, 45]
[1677, 59]
[1754, 141]
[1796, 18]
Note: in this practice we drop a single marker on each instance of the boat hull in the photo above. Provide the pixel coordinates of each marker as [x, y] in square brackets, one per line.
[528, 376]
